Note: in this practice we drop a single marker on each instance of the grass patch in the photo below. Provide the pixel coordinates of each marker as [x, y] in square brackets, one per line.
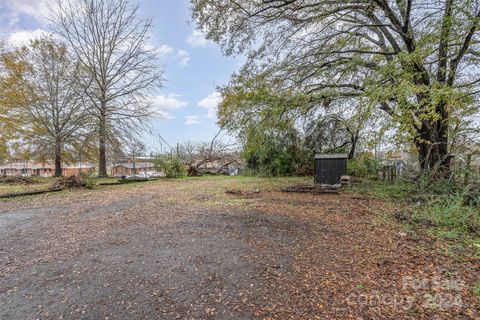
[40, 184]
[105, 180]
[384, 191]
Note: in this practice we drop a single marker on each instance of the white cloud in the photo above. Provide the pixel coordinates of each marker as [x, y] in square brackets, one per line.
[190, 120]
[164, 115]
[197, 39]
[39, 9]
[211, 103]
[168, 102]
[164, 50]
[21, 38]
[184, 57]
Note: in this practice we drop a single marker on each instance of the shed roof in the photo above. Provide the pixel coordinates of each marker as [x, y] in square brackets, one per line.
[331, 156]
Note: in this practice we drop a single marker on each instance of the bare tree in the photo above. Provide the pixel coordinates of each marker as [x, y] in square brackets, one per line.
[112, 43]
[214, 156]
[50, 104]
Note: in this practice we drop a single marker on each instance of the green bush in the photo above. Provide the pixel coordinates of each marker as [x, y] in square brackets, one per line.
[274, 158]
[363, 165]
[171, 166]
[356, 168]
[88, 180]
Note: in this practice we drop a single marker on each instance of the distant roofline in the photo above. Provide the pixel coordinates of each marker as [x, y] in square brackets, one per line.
[138, 165]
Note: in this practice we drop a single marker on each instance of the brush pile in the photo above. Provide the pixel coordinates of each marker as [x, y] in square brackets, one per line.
[72, 182]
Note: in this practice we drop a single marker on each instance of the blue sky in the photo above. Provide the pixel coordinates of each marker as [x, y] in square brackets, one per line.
[194, 67]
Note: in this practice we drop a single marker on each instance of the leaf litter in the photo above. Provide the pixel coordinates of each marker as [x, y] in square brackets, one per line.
[189, 250]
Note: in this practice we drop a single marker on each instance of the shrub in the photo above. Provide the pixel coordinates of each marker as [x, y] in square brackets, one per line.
[356, 168]
[363, 165]
[275, 159]
[171, 166]
[88, 180]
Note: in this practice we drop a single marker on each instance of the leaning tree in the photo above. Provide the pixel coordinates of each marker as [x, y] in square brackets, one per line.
[415, 60]
[112, 43]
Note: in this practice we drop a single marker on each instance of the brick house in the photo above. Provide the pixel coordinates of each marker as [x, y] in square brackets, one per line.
[131, 168]
[75, 170]
[44, 169]
[27, 169]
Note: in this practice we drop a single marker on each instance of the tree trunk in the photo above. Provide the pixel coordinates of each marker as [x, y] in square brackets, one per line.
[353, 146]
[58, 160]
[102, 139]
[432, 149]
[468, 168]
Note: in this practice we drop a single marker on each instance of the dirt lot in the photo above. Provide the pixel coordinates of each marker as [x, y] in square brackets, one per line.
[185, 249]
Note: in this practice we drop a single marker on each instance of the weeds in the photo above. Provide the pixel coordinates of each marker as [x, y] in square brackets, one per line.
[383, 191]
[450, 214]
[444, 208]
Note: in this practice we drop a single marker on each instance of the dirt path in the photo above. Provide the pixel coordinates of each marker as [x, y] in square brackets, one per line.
[186, 250]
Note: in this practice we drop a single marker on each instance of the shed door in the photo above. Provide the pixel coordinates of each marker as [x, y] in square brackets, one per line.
[329, 171]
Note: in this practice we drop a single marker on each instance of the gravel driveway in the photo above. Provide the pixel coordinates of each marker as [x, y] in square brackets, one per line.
[186, 250]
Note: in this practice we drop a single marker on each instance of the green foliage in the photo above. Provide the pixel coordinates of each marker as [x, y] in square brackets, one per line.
[448, 207]
[384, 191]
[355, 168]
[171, 166]
[449, 215]
[419, 78]
[88, 179]
[12, 97]
[3, 151]
[404, 87]
[441, 207]
[276, 154]
[364, 165]
[273, 123]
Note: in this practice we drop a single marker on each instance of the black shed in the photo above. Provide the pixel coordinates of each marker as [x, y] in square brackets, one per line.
[330, 167]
